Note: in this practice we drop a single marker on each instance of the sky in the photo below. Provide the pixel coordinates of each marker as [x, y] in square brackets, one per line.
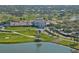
[39, 2]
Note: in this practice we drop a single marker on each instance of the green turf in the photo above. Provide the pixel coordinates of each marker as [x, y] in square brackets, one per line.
[46, 38]
[30, 31]
[14, 38]
[20, 28]
[69, 43]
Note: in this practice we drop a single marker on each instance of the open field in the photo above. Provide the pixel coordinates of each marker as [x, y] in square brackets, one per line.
[13, 38]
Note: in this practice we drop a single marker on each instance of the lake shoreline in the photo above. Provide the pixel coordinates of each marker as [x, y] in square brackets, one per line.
[74, 50]
[46, 46]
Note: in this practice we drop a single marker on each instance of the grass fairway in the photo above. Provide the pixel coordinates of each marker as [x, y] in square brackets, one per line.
[16, 38]
[20, 28]
[13, 38]
[70, 44]
[46, 38]
[25, 32]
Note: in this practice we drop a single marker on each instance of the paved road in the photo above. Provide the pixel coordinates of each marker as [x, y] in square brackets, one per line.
[23, 34]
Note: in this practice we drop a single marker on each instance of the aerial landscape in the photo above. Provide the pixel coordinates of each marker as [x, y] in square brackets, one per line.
[39, 28]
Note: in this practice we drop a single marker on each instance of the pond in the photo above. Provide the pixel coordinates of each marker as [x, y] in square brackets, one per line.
[34, 47]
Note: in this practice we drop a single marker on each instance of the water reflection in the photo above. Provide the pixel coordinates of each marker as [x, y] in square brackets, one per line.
[34, 47]
[38, 46]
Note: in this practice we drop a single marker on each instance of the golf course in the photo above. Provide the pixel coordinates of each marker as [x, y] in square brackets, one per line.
[12, 35]
[21, 34]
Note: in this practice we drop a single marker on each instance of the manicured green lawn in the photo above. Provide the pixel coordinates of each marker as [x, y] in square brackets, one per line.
[14, 38]
[20, 28]
[65, 42]
[46, 38]
[69, 43]
[23, 30]
[28, 32]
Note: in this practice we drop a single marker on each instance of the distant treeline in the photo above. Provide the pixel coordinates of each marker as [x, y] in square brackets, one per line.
[36, 8]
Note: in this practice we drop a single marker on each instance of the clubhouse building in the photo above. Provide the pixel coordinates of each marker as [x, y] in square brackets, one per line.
[39, 23]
